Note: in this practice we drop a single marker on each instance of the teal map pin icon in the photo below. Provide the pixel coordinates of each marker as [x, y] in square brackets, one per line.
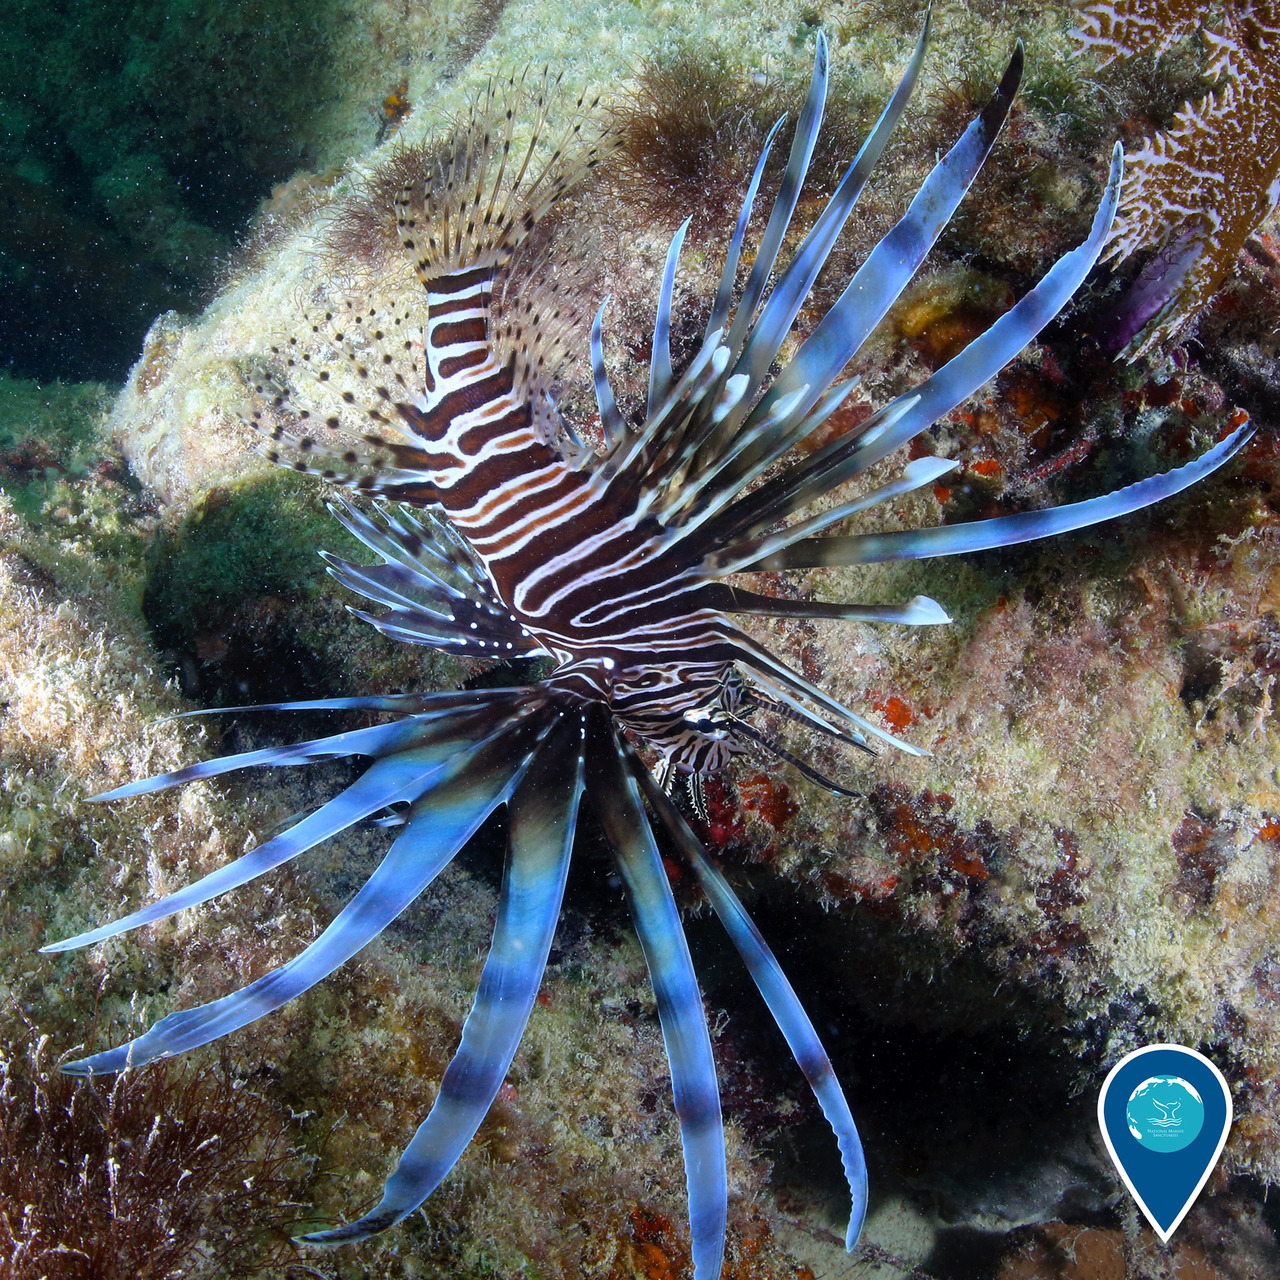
[1164, 1112]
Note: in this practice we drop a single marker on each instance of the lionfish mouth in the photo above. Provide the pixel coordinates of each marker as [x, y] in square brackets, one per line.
[515, 540]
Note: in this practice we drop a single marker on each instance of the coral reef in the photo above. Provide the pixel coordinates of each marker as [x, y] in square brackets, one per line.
[1197, 190]
[1088, 861]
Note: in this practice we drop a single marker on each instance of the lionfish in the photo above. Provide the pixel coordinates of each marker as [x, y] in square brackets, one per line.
[513, 540]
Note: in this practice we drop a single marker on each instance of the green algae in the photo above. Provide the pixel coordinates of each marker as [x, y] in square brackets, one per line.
[258, 536]
[67, 481]
[67, 417]
[50, 436]
[48, 432]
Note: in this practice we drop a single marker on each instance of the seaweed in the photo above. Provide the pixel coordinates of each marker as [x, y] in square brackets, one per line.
[169, 1172]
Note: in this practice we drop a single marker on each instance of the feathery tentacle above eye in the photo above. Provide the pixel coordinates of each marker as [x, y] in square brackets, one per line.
[434, 588]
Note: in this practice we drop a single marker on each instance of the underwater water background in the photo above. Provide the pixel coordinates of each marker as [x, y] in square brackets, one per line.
[1091, 863]
[136, 144]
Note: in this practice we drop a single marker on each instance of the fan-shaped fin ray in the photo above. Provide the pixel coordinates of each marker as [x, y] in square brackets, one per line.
[475, 639]
[664, 480]
[784, 202]
[723, 480]
[419, 543]
[729, 274]
[481, 200]
[422, 612]
[611, 421]
[538, 309]
[712, 436]
[893, 262]
[391, 583]
[402, 703]
[660, 360]
[631, 464]
[414, 769]
[440, 824]
[798, 486]
[356, 465]
[358, 442]
[377, 740]
[387, 782]
[778, 994]
[987, 354]
[684, 1027]
[766, 333]
[901, 420]
[789, 292]
[919, 611]
[730, 473]
[543, 820]
[1004, 531]
[915, 475]
[434, 592]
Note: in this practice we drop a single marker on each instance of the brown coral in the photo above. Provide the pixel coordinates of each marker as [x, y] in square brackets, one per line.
[1196, 191]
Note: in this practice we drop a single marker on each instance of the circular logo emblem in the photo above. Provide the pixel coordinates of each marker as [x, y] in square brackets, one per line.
[1164, 1113]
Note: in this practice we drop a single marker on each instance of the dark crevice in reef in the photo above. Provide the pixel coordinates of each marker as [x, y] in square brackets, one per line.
[979, 1127]
[231, 588]
[137, 141]
[1202, 674]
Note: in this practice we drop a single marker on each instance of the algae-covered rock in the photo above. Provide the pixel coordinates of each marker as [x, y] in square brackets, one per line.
[314, 1102]
[1088, 860]
[257, 537]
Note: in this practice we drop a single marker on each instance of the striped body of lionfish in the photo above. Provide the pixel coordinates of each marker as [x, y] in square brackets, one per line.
[618, 565]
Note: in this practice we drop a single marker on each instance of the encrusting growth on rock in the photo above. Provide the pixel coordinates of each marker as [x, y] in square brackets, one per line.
[1195, 192]
[128, 1178]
